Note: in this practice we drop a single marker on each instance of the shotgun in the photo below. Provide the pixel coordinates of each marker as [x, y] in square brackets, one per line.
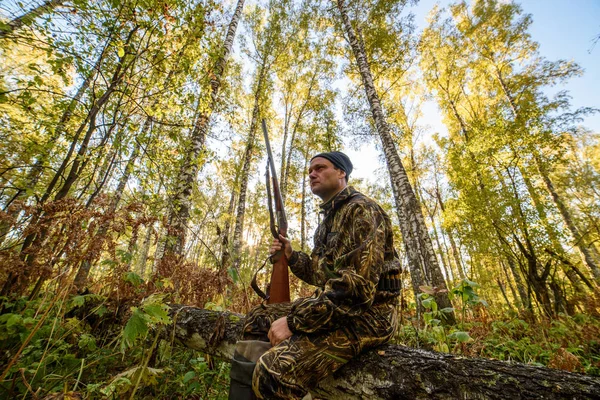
[278, 290]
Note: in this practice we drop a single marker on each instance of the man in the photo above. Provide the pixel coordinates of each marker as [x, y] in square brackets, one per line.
[353, 264]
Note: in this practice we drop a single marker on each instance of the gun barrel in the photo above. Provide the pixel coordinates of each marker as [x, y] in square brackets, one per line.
[280, 212]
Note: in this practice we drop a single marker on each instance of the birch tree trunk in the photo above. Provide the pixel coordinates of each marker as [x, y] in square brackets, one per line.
[509, 283]
[419, 247]
[303, 204]
[579, 242]
[141, 264]
[181, 200]
[225, 234]
[245, 171]
[525, 299]
[552, 234]
[285, 173]
[455, 252]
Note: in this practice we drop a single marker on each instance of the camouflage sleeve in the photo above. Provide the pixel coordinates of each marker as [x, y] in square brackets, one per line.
[358, 253]
[302, 265]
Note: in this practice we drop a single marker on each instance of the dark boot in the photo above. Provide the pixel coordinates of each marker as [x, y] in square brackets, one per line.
[247, 352]
[240, 387]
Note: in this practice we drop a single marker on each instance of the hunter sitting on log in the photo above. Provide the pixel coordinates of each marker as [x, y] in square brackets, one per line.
[357, 273]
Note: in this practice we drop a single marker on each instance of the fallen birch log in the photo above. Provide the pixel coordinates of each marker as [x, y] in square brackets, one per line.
[399, 372]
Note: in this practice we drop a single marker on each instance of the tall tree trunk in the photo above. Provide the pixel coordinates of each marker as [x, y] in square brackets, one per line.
[525, 299]
[445, 261]
[181, 201]
[455, 252]
[535, 273]
[579, 242]
[552, 234]
[245, 172]
[28, 17]
[452, 277]
[416, 238]
[80, 159]
[104, 167]
[288, 108]
[286, 173]
[303, 204]
[143, 259]
[501, 286]
[225, 233]
[75, 170]
[584, 251]
[509, 283]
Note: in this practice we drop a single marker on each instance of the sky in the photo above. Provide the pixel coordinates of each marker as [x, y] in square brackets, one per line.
[564, 30]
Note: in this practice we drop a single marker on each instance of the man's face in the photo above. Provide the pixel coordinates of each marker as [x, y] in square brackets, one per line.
[325, 179]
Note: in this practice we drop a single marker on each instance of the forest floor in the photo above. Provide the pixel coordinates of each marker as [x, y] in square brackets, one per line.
[94, 346]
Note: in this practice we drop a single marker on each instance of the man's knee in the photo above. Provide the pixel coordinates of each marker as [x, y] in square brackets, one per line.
[270, 382]
[264, 383]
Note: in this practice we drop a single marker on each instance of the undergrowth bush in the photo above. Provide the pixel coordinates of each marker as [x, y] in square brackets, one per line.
[570, 343]
[94, 347]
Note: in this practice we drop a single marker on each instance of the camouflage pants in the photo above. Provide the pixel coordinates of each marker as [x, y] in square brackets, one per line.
[290, 369]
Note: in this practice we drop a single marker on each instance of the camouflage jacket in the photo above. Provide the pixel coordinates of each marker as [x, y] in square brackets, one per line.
[352, 244]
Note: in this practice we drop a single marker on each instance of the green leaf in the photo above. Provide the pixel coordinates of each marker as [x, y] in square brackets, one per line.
[460, 336]
[189, 376]
[78, 301]
[100, 311]
[471, 283]
[136, 326]
[5, 317]
[87, 342]
[233, 274]
[125, 257]
[427, 317]
[427, 303]
[14, 319]
[133, 278]
[158, 313]
[447, 310]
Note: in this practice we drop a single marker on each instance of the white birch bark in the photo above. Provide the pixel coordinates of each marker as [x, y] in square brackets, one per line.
[419, 247]
[181, 201]
[245, 172]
